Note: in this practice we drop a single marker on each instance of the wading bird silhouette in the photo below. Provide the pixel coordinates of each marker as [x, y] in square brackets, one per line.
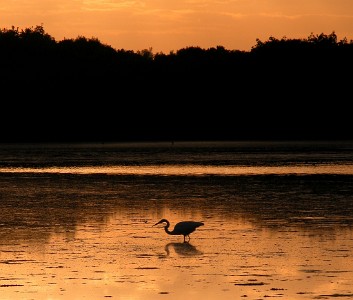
[182, 228]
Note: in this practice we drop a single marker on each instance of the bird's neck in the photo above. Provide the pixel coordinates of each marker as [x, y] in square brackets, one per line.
[166, 228]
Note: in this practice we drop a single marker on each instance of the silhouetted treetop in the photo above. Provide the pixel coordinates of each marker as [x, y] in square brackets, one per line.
[81, 89]
[36, 38]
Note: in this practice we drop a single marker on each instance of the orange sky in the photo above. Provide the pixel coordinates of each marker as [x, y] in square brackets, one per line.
[166, 25]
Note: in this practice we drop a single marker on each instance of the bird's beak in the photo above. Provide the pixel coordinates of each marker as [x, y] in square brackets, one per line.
[157, 223]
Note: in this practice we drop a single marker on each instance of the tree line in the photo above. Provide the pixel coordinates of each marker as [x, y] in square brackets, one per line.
[84, 90]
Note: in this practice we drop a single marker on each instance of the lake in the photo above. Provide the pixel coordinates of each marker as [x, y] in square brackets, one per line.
[77, 220]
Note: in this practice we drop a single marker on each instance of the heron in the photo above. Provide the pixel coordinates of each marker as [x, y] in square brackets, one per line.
[182, 228]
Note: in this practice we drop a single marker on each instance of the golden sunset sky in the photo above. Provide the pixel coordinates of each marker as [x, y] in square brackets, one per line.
[169, 25]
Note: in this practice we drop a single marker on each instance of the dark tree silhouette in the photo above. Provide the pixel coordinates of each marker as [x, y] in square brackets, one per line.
[80, 89]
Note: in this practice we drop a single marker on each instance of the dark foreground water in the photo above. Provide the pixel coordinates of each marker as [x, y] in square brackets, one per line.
[76, 221]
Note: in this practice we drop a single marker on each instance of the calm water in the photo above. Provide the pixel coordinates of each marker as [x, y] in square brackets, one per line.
[76, 221]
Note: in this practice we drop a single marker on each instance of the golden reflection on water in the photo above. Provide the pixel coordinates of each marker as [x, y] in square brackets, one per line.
[127, 258]
[182, 170]
[86, 232]
[91, 237]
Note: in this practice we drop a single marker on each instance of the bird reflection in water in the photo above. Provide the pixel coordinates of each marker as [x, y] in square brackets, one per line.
[182, 249]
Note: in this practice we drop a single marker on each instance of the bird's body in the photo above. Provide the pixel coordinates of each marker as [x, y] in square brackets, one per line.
[182, 228]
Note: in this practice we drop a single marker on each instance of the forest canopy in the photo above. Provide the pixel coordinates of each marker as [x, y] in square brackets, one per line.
[36, 38]
[84, 90]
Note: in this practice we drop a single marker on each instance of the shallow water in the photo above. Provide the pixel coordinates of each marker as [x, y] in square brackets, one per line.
[89, 234]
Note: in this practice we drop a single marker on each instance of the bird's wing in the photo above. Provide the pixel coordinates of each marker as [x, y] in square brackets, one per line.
[186, 227]
[198, 224]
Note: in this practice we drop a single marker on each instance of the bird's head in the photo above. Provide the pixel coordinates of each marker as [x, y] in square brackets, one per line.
[162, 221]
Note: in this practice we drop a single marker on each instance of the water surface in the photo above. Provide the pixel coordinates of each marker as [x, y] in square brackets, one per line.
[76, 221]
